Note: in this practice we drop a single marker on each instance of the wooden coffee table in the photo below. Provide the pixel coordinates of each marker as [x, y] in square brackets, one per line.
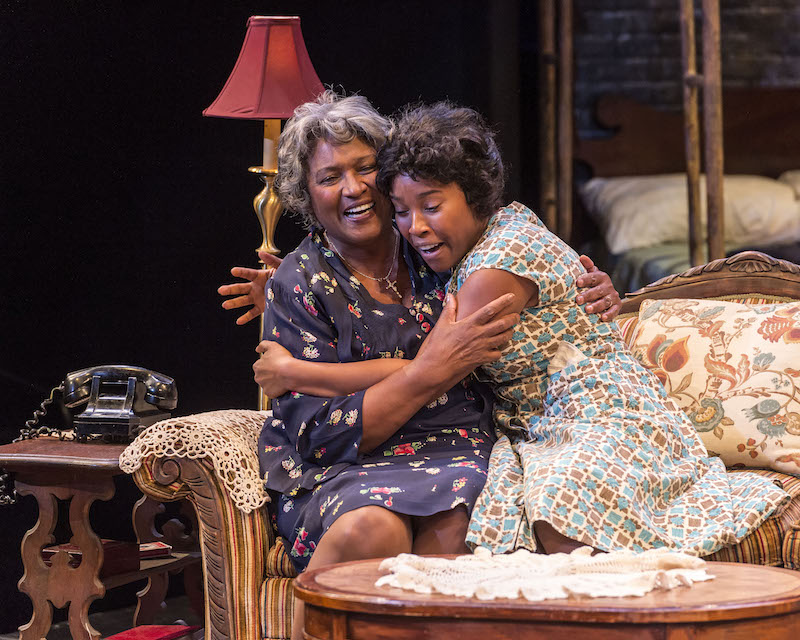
[743, 602]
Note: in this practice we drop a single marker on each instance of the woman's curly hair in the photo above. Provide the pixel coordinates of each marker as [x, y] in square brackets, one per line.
[445, 143]
[333, 118]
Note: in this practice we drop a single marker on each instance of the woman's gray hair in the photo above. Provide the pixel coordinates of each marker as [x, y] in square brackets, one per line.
[334, 119]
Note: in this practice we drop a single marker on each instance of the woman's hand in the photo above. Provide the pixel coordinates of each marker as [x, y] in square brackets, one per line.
[272, 367]
[602, 296]
[451, 351]
[252, 291]
[454, 348]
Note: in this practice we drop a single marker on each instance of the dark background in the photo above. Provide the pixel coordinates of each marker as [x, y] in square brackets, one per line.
[123, 208]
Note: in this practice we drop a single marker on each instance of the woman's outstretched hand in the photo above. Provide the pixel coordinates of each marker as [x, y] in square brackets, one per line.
[268, 369]
[601, 297]
[455, 347]
[250, 292]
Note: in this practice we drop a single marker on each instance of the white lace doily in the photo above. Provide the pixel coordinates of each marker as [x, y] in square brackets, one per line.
[538, 577]
[229, 438]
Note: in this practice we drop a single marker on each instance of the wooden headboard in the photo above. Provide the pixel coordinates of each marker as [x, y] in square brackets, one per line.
[761, 132]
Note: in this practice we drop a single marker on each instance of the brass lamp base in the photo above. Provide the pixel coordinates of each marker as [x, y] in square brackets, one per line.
[268, 209]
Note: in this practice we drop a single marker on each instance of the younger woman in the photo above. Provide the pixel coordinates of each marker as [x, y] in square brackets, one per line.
[590, 443]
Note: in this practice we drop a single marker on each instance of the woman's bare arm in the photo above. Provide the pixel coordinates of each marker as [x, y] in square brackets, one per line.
[601, 298]
[486, 283]
[277, 371]
[450, 352]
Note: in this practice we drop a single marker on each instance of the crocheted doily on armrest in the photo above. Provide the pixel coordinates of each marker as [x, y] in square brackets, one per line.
[228, 438]
[538, 577]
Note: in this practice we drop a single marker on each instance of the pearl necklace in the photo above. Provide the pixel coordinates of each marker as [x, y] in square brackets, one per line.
[390, 284]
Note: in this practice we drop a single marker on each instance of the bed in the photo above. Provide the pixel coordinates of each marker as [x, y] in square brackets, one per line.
[631, 209]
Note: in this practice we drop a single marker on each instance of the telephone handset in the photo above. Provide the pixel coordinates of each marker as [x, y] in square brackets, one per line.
[159, 390]
[121, 400]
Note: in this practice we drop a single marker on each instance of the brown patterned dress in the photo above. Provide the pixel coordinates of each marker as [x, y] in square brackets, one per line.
[596, 449]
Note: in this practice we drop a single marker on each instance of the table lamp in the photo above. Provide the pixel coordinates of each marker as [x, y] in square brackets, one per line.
[271, 77]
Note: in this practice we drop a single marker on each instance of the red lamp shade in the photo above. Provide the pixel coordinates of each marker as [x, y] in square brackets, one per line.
[273, 74]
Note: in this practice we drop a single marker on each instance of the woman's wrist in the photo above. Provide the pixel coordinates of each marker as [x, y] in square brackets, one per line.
[291, 372]
[429, 378]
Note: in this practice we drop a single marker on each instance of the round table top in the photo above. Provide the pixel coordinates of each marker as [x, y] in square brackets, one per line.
[737, 591]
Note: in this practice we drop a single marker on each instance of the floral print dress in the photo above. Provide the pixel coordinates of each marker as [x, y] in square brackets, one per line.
[592, 445]
[308, 453]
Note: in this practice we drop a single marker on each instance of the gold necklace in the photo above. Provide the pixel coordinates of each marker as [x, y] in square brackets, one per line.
[390, 284]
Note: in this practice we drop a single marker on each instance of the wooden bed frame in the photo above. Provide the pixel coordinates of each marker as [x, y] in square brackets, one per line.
[761, 128]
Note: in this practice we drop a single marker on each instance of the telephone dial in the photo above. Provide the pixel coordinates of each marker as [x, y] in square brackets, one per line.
[120, 401]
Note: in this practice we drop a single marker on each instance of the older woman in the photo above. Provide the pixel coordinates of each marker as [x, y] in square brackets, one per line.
[397, 466]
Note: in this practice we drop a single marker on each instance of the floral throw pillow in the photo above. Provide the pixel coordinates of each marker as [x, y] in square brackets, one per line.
[735, 369]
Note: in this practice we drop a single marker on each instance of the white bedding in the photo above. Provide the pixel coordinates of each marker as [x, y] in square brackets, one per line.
[642, 211]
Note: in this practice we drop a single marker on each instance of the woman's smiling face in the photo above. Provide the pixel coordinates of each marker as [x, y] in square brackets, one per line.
[346, 202]
[436, 220]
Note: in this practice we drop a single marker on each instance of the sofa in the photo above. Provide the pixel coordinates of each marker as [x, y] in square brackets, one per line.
[210, 459]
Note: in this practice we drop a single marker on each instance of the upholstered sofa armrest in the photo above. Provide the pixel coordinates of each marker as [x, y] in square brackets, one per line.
[210, 459]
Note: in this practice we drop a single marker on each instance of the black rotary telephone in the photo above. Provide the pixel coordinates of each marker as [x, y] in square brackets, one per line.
[120, 400]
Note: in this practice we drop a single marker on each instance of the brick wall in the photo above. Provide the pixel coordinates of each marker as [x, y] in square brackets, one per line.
[632, 47]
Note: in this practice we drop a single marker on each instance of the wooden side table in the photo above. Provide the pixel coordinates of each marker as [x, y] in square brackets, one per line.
[51, 469]
[742, 601]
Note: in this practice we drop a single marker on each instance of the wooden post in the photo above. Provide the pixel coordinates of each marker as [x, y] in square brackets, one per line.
[565, 136]
[691, 82]
[712, 125]
[547, 114]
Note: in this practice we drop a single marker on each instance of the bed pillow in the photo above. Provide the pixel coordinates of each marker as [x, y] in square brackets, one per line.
[642, 211]
[792, 178]
[735, 369]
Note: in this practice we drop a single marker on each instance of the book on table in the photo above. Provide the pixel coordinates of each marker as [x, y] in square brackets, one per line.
[154, 550]
[118, 556]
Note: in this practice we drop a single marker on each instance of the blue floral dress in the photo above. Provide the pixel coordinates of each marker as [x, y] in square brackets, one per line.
[309, 454]
[596, 449]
